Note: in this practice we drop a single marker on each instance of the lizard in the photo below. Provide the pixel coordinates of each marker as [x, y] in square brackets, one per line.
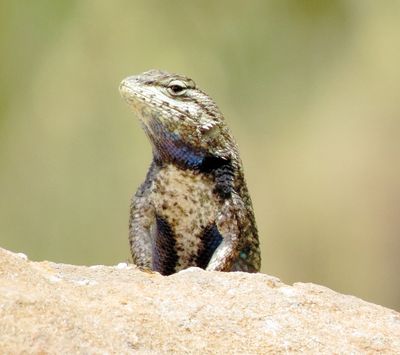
[194, 208]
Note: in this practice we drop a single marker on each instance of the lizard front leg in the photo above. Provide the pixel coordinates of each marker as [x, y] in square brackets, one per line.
[229, 227]
[141, 219]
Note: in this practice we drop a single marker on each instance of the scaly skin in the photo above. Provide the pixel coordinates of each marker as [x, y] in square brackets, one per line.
[194, 208]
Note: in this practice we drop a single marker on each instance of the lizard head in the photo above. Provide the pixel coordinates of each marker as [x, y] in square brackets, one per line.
[173, 110]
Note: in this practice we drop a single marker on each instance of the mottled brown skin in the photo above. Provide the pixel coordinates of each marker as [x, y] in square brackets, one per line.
[193, 209]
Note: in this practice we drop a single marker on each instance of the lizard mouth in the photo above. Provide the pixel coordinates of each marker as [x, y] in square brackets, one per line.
[137, 98]
[154, 108]
[125, 91]
[133, 99]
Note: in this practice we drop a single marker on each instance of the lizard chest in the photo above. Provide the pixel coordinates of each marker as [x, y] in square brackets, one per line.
[184, 232]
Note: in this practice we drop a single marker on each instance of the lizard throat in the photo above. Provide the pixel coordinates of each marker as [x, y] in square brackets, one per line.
[168, 147]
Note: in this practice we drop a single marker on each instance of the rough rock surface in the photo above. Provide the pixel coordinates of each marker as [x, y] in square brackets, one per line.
[48, 308]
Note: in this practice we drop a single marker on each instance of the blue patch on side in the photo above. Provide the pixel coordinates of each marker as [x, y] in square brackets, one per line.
[243, 255]
[170, 148]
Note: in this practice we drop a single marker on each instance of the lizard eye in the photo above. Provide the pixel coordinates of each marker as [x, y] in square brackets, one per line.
[177, 88]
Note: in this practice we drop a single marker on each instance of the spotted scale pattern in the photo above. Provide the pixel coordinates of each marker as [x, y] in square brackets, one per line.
[193, 209]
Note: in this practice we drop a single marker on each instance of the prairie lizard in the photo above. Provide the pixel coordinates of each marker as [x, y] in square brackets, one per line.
[194, 208]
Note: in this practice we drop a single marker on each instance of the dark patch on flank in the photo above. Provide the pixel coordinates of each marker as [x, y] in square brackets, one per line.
[210, 240]
[211, 163]
[223, 172]
[165, 257]
[224, 179]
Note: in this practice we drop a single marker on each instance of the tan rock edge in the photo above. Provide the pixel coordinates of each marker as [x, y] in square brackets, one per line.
[51, 308]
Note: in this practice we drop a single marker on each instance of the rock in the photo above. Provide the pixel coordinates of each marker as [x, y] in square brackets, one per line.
[49, 308]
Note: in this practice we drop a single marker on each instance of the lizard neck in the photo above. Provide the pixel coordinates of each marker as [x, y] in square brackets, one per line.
[168, 148]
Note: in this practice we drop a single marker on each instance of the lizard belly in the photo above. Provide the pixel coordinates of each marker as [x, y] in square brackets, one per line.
[186, 210]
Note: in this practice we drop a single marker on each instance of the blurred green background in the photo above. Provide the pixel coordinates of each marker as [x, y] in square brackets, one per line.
[309, 88]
